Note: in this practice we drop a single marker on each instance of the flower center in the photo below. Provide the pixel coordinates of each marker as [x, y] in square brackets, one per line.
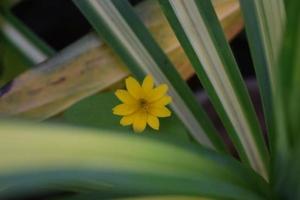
[143, 104]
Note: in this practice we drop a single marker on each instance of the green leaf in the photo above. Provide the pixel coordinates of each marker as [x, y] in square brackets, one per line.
[264, 21]
[96, 112]
[84, 64]
[12, 62]
[198, 29]
[287, 178]
[286, 163]
[32, 48]
[22, 49]
[117, 23]
[287, 86]
[165, 198]
[290, 75]
[43, 158]
[150, 197]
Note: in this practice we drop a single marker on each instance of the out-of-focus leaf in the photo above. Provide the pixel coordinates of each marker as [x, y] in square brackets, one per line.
[78, 71]
[20, 47]
[39, 158]
[287, 95]
[287, 184]
[90, 66]
[229, 14]
[164, 197]
[11, 64]
[8, 3]
[29, 46]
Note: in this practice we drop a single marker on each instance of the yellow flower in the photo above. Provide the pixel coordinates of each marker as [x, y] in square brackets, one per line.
[142, 105]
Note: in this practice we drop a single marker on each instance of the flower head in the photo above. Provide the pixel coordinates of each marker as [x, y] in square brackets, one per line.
[142, 104]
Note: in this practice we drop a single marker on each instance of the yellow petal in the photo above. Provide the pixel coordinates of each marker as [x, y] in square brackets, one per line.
[153, 122]
[162, 101]
[158, 92]
[125, 97]
[125, 109]
[148, 84]
[133, 87]
[140, 121]
[127, 120]
[159, 111]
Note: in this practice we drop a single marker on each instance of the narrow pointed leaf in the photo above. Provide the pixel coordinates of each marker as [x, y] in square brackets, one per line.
[264, 21]
[117, 23]
[85, 63]
[201, 35]
[33, 49]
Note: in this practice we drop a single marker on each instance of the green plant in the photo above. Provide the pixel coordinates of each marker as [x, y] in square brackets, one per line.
[80, 163]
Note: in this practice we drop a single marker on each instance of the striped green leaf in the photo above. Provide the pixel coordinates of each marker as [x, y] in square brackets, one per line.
[201, 35]
[44, 159]
[33, 49]
[88, 66]
[264, 22]
[117, 23]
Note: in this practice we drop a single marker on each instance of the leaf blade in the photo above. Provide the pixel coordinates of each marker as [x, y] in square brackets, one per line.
[198, 29]
[133, 165]
[264, 21]
[120, 27]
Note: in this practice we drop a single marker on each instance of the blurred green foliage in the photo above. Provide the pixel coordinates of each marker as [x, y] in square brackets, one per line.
[12, 63]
